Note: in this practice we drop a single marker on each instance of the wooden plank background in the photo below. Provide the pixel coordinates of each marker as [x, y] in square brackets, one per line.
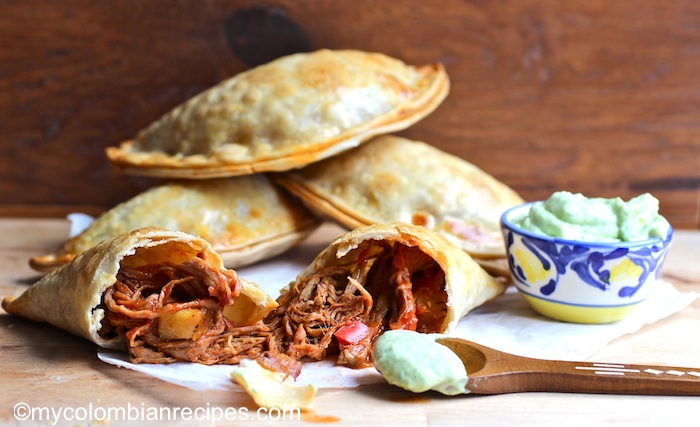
[593, 96]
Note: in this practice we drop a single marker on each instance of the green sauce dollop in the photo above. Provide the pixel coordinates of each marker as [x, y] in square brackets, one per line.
[415, 362]
[576, 217]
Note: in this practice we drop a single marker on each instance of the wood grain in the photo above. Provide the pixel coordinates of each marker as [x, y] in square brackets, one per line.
[591, 96]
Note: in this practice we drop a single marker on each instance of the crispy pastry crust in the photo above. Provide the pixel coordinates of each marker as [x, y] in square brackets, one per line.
[392, 179]
[69, 297]
[285, 114]
[467, 285]
[246, 219]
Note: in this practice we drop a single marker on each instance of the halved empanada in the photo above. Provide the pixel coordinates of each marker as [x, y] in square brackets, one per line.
[375, 278]
[164, 295]
[284, 114]
[246, 219]
[392, 179]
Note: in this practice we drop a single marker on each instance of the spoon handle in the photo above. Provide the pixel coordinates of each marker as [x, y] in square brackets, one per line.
[592, 377]
[492, 372]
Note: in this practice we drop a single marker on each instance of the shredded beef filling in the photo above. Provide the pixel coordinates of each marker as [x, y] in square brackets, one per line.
[389, 287]
[142, 295]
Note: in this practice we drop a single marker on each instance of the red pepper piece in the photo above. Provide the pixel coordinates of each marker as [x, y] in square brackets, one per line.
[352, 332]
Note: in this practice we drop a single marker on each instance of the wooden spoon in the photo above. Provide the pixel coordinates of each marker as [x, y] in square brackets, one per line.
[493, 372]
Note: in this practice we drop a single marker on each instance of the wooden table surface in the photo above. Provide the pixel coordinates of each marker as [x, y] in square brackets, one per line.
[46, 369]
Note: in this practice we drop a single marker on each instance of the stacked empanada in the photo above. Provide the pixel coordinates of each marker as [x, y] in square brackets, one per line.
[394, 179]
[285, 114]
[245, 218]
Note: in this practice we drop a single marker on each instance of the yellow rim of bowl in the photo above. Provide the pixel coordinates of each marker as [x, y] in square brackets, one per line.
[578, 314]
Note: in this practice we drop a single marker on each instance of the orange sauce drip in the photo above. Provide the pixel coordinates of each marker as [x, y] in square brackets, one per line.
[315, 418]
[410, 399]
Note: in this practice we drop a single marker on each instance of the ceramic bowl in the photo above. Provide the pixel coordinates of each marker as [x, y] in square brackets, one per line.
[577, 281]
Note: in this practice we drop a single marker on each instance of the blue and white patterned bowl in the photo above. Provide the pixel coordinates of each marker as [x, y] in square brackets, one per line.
[581, 282]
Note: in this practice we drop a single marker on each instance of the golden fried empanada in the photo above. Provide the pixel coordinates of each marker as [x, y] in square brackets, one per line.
[285, 114]
[372, 279]
[246, 219]
[164, 295]
[392, 179]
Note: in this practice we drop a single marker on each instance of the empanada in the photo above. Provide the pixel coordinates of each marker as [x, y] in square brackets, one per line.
[164, 295]
[246, 219]
[392, 179]
[375, 278]
[285, 114]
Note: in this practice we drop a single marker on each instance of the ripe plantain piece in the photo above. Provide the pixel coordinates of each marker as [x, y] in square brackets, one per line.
[393, 179]
[283, 115]
[246, 219]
